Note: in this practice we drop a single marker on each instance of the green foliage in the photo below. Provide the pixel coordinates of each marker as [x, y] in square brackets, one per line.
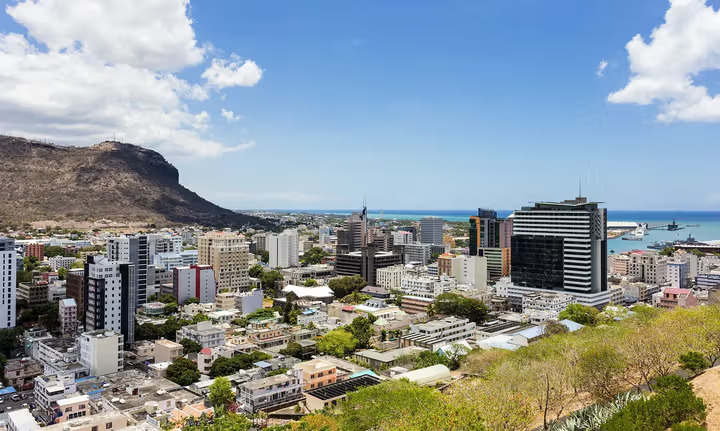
[200, 317]
[167, 298]
[62, 273]
[45, 314]
[148, 331]
[688, 426]
[171, 308]
[262, 314]
[310, 282]
[171, 326]
[190, 346]
[694, 362]
[344, 286]
[674, 403]
[10, 339]
[221, 393]
[293, 349]
[255, 271]
[183, 371]
[77, 265]
[429, 358]
[53, 250]
[313, 256]
[338, 342]
[355, 298]
[226, 422]
[240, 321]
[192, 300]
[601, 367]
[265, 256]
[269, 278]
[582, 314]
[593, 417]
[457, 305]
[401, 405]
[276, 372]
[361, 330]
[667, 251]
[225, 366]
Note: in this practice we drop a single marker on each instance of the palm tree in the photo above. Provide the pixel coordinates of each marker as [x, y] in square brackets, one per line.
[431, 311]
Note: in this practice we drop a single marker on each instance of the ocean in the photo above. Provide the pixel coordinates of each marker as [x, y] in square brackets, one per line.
[708, 223]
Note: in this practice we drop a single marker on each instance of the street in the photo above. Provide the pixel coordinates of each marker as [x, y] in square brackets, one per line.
[9, 405]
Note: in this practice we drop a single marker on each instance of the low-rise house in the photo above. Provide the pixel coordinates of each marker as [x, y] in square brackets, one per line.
[21, 420]
[48, 390]
[268, 337]
[330, 395]
[207, 356]
[144, 349]
[415, 304]
[203, 333]
[375, 359]
[376, 292]
[71, 408]
[21, 373]
[432, 335]
[673, 297]
[515, 340]
[317, 373]
[271, 392]
[167, 351]
[224, 316]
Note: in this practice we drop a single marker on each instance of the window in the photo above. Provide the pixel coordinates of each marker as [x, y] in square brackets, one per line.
[108, 425]
[95, 428]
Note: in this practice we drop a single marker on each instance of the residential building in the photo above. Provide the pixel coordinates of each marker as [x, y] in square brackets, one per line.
[324, 234]
[134, 250]
[75, 287]
[207, 356]
[426, 285]
[431, 230]
[283, 249]
[57, 262]
[330, 395]
[270, 392]
[68, 315]
[319, 272]
[102, 352]
[678, 273]
[620, 264]
[390, 277]
[268, 336]
[72, 408]
[21, 420]
[167, 351]
[110, 293]
[402, 237]
[260, 243]
[432, 335]
[36, 250]
[248, 302]
[60, 355]
[365, 263]
[465, 269]
[169, 261]
[672, 297]
[317, 373]
[196, 281]
[229, 256]
[707, 280]
[648, 266]
[164, 244]
[35, 293]
[415, 304]
[21, 373]
[376, 292]
[49, 389]
[106, 421]
[418, 252]
[203, 333]
[383, 360]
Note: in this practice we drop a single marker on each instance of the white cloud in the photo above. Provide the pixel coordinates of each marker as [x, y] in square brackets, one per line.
[229, 115]
[664, 69]
[601, 68]
[223, 74]
[99, 69]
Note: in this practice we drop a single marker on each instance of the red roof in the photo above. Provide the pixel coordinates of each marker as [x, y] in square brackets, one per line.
[676, 291]
[206, 351]
[348, 308]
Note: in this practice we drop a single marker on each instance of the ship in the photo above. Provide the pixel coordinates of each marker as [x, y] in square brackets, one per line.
[658, 245]
[674, 226]
[632, 238]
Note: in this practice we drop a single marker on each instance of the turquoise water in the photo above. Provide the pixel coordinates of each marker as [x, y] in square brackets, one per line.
[708, 221]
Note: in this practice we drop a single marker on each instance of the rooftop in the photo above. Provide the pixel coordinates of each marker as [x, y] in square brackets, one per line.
[269, 381]
[390, 355]
[339, 389]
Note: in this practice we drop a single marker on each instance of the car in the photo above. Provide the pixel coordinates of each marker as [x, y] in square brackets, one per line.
[9, 408]
[32, 406]
[2, 401]
[15, 397]
[24, 396]
[25, 405]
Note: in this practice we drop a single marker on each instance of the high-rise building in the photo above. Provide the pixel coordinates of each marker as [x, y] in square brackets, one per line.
[8, 272]
[381, 238]
[196, 281]
[417, 252]
[110, 290]
[260, 244]
[365, 263]
[402, 237]
[132, 249]
[68, 315]
[324, 234]
[283, 249]
[36, 250]
[229, 256]
[561, 246]
[75, 287]
[353, 236]
[102, 352]
[431, 230]
[488, 231]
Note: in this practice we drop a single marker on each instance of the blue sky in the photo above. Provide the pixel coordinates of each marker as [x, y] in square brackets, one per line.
[440, 105]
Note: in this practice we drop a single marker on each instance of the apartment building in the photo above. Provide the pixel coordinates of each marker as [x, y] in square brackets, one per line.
[229, 256]
[75, 287]
[72, 408]
[57, 262]
[35, 293]
[283, 249]
[620, 264]
[418, 252]
[270, 392]
[415, 304]
[545, 301]
[413, 285]
[390, 277]
[299, 275]
[648, 267]
[678, 272]
[132, 249]
[102, 352]
[36, 250]
[21, 373]
[68, 315]
[499, 260]
[196, 281]
[203, 333]
[317, 373]
[167, 351]
[432, 335]
[49, 389]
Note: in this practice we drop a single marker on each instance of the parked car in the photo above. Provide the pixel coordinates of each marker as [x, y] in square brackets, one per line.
[32, 406]
[15, 397]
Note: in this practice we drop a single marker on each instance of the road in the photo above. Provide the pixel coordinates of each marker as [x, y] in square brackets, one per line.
[14, 405]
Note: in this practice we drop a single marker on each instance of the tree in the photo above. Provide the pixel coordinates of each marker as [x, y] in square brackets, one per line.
[269, 279]
[601, 368]
[337, 342]
[226, 422]
[578, 313]
[10, 340]
[293, 349]
[452, 304]
[552, 327]
[200, 317]
[694, 362]
[240, 321]
[190, 346]
[221, 394]
[310, 282]
[355, 298]
[344, 286]
[265, 256]
[255, 271]
[183, 371]
[62, 273]
[261, 314]
[361, 330]
[192, 300]
[171, 308]
[77, 265]
[667, 251]
[167, 298]
[313, 256]
[148, 331]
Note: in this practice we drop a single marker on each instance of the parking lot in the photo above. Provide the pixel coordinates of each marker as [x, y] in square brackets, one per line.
[8, 404]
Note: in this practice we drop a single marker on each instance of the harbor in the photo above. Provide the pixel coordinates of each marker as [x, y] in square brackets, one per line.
[656, 235]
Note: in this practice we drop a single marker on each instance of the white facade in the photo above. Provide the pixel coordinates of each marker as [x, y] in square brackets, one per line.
[677, 272]
[390, 277]
[168, 260]
[543, 301]
[427, 285]
[283, 249]
[203, 333]
[8, 271]
[324, 235]
[418, 252]
[648, 267]
[49, 389]
[402, 237]
[197, 281]
[507, 289]
[132, 249]
[470, 270]
[57, 262]
[104, 286]
[102, 352]
[248, 302]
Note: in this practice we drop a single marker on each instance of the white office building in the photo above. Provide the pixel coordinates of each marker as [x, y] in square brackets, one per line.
[390, 277]
[418, 252]
[102, 352]
[203, 333]
[402, 237]
[678, 272]
[8, 272]
[431, 230]
[57, 262]
[196, 281]
[324, 235]
[413, 285]
[283, 249]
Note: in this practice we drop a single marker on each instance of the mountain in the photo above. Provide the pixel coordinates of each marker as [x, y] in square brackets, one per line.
[111, 180]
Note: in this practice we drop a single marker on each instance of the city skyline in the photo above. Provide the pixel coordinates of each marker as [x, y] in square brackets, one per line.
[526, 98]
